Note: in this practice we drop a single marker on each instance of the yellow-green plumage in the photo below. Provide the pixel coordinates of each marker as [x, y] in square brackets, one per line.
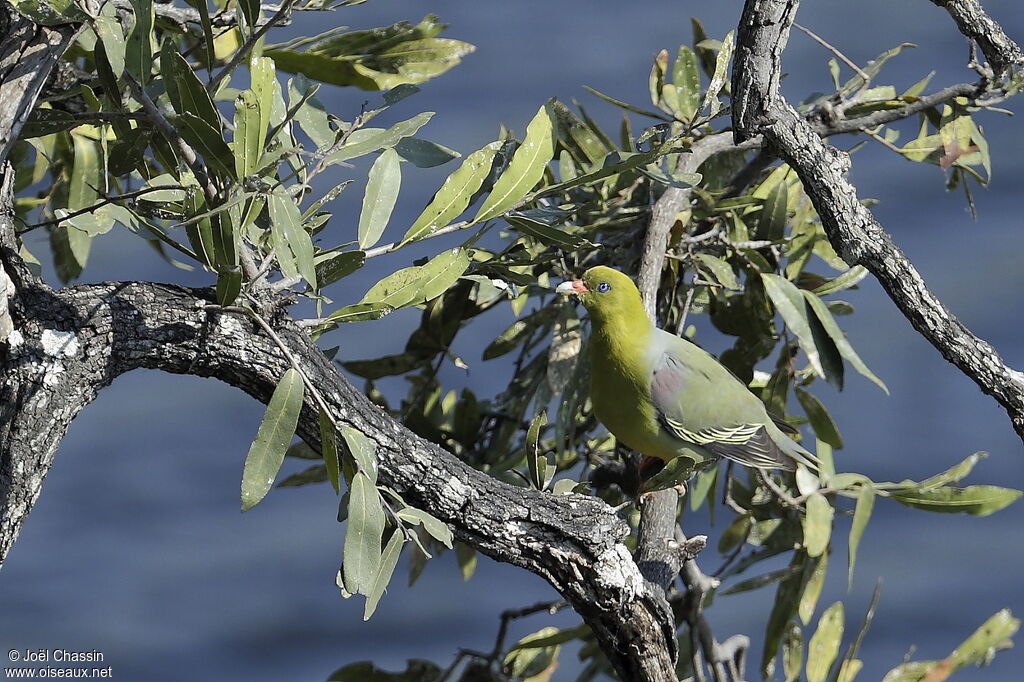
[664, 396]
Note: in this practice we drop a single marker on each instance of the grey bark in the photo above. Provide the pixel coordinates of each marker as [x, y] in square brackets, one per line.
[759, 109]
[68, 344]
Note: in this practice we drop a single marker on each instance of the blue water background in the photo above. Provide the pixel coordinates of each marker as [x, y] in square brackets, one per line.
[136, 547]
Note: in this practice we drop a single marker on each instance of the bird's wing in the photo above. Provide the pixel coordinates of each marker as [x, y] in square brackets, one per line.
[715, 414]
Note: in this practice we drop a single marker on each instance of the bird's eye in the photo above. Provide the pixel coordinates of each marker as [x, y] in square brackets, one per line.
[603, 287]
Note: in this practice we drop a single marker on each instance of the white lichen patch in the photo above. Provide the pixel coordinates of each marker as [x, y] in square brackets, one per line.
[460, 492]
[57, 343]
[51, 373]
[15, 339]
[615, 569]
[230, 325]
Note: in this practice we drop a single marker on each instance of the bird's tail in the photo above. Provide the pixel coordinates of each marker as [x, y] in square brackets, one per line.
[798, 454]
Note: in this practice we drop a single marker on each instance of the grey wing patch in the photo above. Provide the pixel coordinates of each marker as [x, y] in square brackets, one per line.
[747, 444]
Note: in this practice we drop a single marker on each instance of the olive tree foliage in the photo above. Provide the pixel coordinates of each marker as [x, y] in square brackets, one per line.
[187, 126]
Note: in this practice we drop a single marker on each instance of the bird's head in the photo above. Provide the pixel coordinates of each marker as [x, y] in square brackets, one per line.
[604, 291]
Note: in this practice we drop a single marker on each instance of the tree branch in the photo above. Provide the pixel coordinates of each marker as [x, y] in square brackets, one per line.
[758, 109]
[27, 55]
[1001, 52]
[74, 341]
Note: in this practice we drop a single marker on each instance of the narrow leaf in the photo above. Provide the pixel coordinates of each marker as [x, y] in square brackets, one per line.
[455, 193]
[837, 335]
[272, 437]
[977, 500]
[292, 244]
[821, 421]
[787, 300]
[525, 169]
[817, 524]
[329, 449]
[824, 644]
[382, 185]
[361, 560]
[363, 450]
[388, 561]
[861, 514]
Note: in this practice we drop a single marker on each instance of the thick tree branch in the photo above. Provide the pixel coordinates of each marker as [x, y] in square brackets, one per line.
[27, 55]
[73, 342]
[856, 235]
[1001, 52]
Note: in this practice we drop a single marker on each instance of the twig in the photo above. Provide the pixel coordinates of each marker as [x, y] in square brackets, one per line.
[160, 121]
[105, 201]
[552, 607]
[448, 229]
[839, 55]
[246, 47]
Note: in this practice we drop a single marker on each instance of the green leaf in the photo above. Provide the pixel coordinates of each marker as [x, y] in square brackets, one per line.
[366, 140]
[824, 644]
[363, 450]
[408, 286]
[466, 557]
[817, 524]
[757, 582]
[362, 553]
[711, 102]
[771, 224]
[734, 534]
[787, 599]
[547, 234]
[388, 561]
[524, 170]
[389, 365]
[437, 528]
[292, 244]
[310, 114]
[982, 644]
[330, 267]
[184, 88]
[720, 270]
[108, 30]
[247, 143]
[677, 470]
[229, 285]
[686, 78]
[844, 281]
[792, 652]
[535, 459]
[272, 437]
[423, 153]
[812, 590]
[839, 338]
[138, 53]
[821, 421]
[703, 488]
[314, 474]
[614, 163]
[251, 12]
[787, 300]
[861, 514]
[208, 141]
[954, 473]
[382, 185]
[455, 193]
[977, 500]
[329, 449]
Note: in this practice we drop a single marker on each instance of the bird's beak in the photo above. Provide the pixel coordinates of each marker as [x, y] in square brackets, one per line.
[570, 287]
